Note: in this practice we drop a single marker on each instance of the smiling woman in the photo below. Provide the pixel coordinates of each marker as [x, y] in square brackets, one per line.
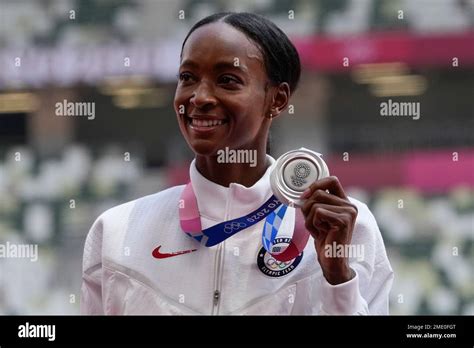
[236, 74]
[198, 248]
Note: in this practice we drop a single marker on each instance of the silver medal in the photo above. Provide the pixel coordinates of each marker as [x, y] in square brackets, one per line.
[293, 172]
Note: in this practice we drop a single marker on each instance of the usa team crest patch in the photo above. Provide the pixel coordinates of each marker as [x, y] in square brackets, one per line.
[274, 268]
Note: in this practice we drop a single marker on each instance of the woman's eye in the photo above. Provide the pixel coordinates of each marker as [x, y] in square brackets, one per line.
[185, 77]
[228, 79]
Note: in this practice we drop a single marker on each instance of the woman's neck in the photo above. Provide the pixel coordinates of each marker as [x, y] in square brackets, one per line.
[226, 173]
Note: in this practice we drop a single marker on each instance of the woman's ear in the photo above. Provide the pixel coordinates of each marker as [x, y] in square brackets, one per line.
[280, 99]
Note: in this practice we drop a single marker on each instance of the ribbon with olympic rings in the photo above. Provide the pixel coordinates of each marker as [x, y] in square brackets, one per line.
[272, 210]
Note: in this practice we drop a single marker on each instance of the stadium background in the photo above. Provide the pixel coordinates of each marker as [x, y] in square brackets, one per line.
[58, 173]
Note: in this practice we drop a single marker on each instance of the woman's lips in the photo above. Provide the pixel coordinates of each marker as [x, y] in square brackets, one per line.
[202, 125]
[206, 123]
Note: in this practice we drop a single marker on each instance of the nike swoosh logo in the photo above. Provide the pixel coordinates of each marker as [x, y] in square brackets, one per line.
[159, 255]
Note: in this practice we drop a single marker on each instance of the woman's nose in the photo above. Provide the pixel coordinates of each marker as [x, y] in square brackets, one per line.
[202, 96]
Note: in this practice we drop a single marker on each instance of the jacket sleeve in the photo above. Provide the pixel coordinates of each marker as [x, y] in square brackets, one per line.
[368, 291]
[91, 289]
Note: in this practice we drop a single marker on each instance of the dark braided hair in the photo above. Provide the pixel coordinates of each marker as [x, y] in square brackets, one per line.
[282, 62]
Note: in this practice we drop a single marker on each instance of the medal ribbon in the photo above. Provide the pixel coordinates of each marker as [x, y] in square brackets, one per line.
[272, 210]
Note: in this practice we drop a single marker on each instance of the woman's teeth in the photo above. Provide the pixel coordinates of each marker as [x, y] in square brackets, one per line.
[206, 123]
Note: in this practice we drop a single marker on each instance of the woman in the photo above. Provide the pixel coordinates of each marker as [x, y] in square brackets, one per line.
[237, 73]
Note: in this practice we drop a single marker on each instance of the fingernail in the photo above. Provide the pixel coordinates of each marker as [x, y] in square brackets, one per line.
[306, 193]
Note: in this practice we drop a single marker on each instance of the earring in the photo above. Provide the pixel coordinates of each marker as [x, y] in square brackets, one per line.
[271, 115]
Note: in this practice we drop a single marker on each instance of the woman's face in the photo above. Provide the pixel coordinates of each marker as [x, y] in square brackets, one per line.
[221, 97]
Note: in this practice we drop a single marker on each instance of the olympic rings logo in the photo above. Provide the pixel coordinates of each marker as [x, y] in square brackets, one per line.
[232, 226]
[275, 264]
[302, 170]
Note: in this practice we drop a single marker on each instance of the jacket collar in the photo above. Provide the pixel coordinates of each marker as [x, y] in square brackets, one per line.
[221, 203]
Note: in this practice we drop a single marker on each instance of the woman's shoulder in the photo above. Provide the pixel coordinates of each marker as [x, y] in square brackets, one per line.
[132, 218]
[152, 202]
[366, 226]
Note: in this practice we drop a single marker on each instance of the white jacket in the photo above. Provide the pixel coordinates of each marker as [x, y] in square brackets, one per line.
[121, 276]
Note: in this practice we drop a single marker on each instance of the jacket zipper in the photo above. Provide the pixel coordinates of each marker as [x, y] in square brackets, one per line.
[216, 295]
[219, 264]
